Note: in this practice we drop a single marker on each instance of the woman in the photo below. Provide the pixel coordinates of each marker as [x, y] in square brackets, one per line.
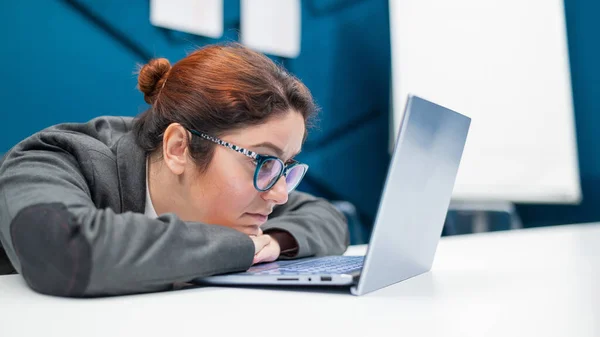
[200, 184]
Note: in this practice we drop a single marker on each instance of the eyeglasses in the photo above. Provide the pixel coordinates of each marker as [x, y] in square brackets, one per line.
[268, 168]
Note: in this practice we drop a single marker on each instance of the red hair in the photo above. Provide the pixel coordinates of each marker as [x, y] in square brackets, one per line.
[216, 89]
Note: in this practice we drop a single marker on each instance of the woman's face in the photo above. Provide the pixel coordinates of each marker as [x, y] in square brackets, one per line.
[225, 195]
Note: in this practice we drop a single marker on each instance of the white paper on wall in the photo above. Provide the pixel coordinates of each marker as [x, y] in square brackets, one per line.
[200, 17]
[271, 26]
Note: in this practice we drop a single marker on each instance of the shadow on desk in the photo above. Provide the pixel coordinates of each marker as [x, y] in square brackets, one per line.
[331, 290]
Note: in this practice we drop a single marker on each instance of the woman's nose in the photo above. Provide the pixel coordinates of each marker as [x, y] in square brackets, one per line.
[278, 193]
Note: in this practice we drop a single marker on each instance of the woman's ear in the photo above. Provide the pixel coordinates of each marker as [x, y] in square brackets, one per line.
[175, 148]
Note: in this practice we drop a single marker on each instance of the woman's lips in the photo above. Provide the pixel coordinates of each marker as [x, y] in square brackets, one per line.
[259, 218]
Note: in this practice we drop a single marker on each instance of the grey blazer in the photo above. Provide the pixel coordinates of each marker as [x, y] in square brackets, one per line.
[72, 199]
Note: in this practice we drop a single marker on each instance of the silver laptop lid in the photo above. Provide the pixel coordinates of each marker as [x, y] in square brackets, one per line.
[416, 194]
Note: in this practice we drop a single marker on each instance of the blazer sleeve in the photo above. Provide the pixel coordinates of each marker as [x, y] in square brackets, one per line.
[318, 228]
[63, 245]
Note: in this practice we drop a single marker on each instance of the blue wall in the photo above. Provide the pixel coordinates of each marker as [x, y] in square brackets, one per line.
[72, 60]
[58, 67]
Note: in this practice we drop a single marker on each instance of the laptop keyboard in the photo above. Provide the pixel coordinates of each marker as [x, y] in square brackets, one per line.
[325, 265]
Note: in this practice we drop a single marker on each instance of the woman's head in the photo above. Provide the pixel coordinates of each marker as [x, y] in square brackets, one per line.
[229, 93]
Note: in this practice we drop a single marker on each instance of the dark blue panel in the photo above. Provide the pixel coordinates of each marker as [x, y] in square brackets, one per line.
[56, 68]
[351, 168]
[345, 61]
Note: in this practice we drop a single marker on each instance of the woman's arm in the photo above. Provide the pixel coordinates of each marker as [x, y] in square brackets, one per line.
[63, 245]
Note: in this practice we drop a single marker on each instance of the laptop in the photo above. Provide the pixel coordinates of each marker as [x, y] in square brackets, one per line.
[410, 218]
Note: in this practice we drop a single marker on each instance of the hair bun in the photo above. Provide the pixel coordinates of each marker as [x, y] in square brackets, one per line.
[152, 77]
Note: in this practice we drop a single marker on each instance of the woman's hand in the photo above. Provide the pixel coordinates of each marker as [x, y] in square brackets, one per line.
[269, 251]
[260, 242]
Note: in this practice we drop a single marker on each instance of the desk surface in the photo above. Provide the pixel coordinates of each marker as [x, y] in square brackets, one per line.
[534, 282]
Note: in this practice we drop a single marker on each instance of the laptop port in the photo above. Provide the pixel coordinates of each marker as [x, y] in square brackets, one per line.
[325, 278]
[287, 279]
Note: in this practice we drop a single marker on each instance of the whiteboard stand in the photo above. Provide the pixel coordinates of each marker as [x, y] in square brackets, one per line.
[481, 213]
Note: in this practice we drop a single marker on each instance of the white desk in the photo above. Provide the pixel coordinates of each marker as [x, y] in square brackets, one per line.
[537, 282]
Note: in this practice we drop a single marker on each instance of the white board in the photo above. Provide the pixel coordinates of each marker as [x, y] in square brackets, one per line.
[505, 64]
